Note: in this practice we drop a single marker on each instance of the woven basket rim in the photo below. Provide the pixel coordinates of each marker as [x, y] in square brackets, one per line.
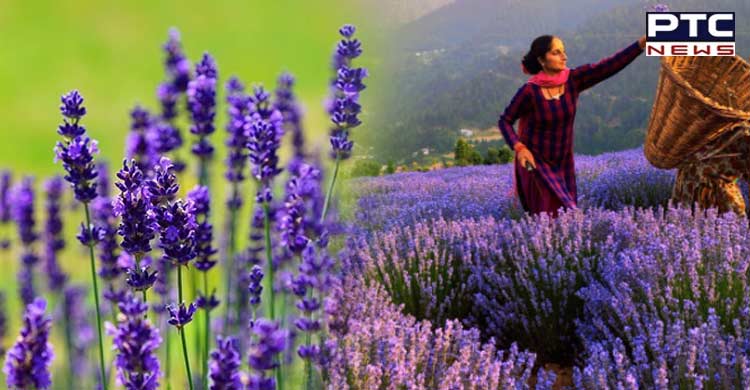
[714, 105]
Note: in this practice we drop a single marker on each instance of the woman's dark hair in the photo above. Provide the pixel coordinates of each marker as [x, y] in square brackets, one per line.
[539, 48]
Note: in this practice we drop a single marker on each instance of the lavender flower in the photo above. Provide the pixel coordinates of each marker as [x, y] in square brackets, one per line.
[163, 188]
[27, 362]
[168, 95]
[225, 364]
[201, 201]
[292, 229]
[5, 178]
[165, 138]
[104, 218]
[238, 102]
[23, 215]
[344, 106]
[264, 138]
[208, 302]
[90, 235]
[53, 234]
[138, 145]
[136, 227]
[76, 314]
[286, 103]
[263, 352]
[176, 64]
[202, 105]
[382, 344]
[255, 288]
[103, 185]
[162, 286]
[77, 150]
[181, 316]
[176, 225]
[140, 279]
[136, 342]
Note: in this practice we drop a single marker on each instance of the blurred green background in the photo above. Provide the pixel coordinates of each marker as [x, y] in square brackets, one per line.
[111, 51]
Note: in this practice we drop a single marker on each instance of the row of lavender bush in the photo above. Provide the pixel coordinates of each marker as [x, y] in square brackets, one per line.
[612, 180]
[634, 298]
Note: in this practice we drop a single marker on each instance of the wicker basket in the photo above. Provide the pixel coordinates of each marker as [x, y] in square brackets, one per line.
[697, 100]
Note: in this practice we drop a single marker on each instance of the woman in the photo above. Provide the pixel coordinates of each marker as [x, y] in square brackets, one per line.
[545, 107]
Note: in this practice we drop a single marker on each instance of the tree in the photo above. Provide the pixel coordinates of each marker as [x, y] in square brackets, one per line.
[365, 168]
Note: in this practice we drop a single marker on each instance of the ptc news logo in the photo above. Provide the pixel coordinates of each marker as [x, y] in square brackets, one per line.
[690, 34]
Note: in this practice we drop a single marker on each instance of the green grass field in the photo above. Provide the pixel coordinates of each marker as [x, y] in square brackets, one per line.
[111, 52]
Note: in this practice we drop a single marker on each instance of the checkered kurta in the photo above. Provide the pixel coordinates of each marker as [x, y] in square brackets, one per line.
[546, 128]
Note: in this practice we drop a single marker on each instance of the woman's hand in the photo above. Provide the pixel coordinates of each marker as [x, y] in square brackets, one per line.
[523, 154]
[642, 42]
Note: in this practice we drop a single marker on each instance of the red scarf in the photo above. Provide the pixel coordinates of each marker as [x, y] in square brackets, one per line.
[544, 80]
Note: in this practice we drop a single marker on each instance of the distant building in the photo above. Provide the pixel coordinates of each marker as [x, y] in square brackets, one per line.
[466, 133]
[425, 151]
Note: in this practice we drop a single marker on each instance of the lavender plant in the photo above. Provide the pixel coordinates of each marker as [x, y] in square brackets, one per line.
[201, 95]
[27, 362]
[344, 103]
[23, 215]
[76, 152]
[136, 342]
[376, 345]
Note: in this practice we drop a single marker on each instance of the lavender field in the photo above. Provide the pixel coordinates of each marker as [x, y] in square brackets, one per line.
[446, 284]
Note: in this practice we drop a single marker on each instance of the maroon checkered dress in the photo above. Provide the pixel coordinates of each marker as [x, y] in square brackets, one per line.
[546, 128]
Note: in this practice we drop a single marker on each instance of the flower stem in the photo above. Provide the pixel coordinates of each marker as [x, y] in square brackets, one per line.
[105, 385]
[271, 300]
[68, 347]
[329, 193]
[182, 329]
[228, 275]
[269, 257]
[138, 258]
[167, 361]
[185, 355]
[206, 334]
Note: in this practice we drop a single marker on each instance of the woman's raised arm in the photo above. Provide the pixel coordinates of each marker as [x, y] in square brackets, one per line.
[586, 76]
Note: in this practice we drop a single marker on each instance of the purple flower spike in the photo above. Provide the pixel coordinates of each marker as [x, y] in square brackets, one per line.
[181, 316]
[53, 241]
[255, 288]
[163, 188]
[209, 302]
[344, 104]
[202, 105]
[136, 227]
[177, 65]
[264, 141]
[201, 201]
[176, 225]
[136, 342]
[263, 352]
[71, 106]
[225, 364]
[23, 215]
[77, 151]
[238, 102]
[140, 279]
[27, 362]
[90, 236]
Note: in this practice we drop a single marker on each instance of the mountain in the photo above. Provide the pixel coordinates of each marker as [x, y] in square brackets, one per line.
[512, 22]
